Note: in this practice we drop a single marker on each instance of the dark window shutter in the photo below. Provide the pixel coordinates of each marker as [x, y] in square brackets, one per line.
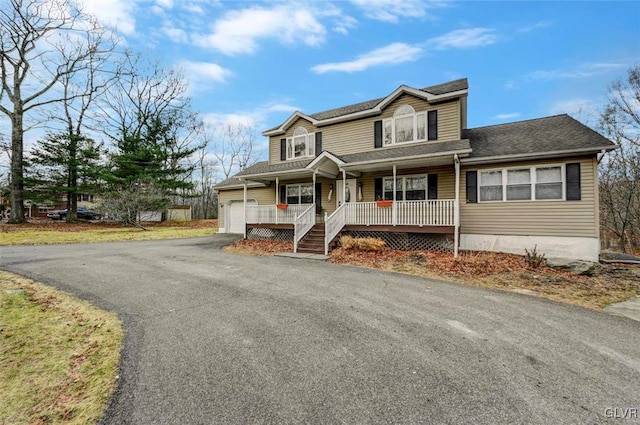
[283, 194]
[432, 180]
[472, 187]
[318, 143]
[432, 119]
[377, 188]
[573, 181]
[318, 198]
[377, 134]
[283, 149]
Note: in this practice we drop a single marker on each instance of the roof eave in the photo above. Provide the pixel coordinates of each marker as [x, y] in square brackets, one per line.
[535, 155]
[460, 152]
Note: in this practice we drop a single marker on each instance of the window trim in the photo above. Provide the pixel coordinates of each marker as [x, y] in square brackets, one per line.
[392, 121]
[310, 144]
[532, 182]
[404, 189]
[299, 186]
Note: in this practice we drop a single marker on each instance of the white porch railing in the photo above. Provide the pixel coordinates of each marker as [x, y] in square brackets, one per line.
[402, 213]
[271, 214]
[333, 224]
[302, 224]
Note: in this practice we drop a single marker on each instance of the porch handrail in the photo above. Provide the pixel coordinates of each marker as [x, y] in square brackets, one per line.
[302, 224]
[271, 214]
[333, 224]
[440, 212]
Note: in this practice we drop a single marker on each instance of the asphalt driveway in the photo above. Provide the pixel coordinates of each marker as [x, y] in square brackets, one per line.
[217, 338]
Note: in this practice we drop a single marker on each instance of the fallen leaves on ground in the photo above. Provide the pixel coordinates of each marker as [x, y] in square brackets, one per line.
[259, 247]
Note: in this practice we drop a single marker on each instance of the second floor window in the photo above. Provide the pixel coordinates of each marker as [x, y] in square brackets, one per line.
[302, 144]
[409, 126]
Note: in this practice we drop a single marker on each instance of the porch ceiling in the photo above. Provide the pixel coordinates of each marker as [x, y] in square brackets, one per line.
[402, 164]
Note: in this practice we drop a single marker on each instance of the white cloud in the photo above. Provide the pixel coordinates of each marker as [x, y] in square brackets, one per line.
[113, 13]
[202, 74]
[174, 33]
[580, 71]
[536, 26]
[394, 11]
[257, 117]
[465, 38]
[239, 31]
[571, 106]
[510, 85]
[503, 117]
[392, 54]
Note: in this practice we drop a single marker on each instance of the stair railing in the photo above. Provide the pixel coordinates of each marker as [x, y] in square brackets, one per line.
[333, 224]
[302, 224]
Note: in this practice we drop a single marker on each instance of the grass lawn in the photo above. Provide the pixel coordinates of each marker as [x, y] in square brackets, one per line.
[44, 232]
[609, 284]
[58, 355]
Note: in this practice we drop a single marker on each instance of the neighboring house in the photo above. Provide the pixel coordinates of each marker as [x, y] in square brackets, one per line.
[506, 188]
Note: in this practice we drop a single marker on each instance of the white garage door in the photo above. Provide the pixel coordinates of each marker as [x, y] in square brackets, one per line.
[235, 215]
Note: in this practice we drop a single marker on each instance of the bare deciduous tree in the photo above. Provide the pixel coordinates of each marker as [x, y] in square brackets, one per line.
[41, 42]
[234, 146]
[620, 170]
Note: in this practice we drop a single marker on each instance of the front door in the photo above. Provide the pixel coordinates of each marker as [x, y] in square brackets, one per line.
[351, 193]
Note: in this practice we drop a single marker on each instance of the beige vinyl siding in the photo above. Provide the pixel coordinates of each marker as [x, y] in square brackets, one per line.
[357, 136]
[262, 195]
[534, 218]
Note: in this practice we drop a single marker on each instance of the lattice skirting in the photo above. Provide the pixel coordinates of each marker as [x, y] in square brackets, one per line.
[409, 241]
[272, 234]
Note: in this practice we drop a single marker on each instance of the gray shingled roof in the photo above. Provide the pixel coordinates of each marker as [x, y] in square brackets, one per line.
[438, 89]
[405, 151]
[548, 134]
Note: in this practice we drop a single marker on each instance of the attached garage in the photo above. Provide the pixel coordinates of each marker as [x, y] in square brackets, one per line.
[234, 216]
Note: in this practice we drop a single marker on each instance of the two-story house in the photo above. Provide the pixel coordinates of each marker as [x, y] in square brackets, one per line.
[405, 168]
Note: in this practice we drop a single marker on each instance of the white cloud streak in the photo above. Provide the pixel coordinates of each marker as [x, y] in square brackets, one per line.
[392, 54]
[504, 117]
[465, 38]
[536, 26]
[202, 75]
[113, 13]
[581, 71]
[239, 31]
[394, 11]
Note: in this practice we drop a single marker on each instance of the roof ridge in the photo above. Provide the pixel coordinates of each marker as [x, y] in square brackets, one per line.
[521, 121]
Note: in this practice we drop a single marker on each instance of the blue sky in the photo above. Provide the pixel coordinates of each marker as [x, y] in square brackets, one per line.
[257, 62]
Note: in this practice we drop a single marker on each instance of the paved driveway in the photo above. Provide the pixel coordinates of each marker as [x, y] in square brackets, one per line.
[218, 338]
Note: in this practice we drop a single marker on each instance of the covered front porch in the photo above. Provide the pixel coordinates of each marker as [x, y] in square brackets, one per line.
[331, 196]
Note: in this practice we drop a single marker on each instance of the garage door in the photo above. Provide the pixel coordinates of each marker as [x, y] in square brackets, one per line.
[235, 214]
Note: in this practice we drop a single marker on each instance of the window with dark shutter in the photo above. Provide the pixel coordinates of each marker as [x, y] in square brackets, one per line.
[573, 181]
[318, 143]
[432, 183]
[283, 149]
[377, 134]
[318, 198]
[432, 119]
[377, 188]
[472, 186]
[283, 194]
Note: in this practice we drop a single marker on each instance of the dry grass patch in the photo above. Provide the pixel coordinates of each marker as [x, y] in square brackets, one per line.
[609, 284]
[259, 247]
[58, 355]
[363, 244]
[47, 232]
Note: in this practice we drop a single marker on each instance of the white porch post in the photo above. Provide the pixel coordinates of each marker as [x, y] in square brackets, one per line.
[344, 188]
[244, 206]
[314, 186]
[456, 208]
[277, 196]
[394, 211]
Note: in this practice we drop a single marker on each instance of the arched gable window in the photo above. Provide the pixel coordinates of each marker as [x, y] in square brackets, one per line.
[409, 126]
[302, 144]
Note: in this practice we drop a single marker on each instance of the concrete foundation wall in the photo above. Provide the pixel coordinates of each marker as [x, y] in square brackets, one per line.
[550, 246]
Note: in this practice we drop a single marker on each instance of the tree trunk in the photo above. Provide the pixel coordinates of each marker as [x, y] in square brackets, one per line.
[17, 170]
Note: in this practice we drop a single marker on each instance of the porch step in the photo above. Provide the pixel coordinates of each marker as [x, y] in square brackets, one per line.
[313, 242]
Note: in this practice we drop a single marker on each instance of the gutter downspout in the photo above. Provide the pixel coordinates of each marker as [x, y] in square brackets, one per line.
[456, 209]
[244, 218]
